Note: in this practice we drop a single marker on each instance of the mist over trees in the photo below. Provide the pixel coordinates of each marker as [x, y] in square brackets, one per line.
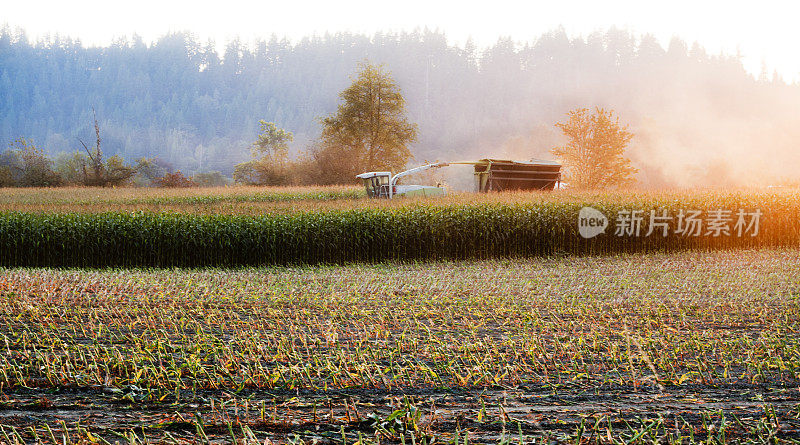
[699, 118]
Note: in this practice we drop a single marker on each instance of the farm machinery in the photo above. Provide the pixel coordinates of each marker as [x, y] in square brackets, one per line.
[490, 175]
[384, 184]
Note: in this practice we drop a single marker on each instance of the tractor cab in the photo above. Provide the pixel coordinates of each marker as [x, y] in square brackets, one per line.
[384, 185]
[376, 184]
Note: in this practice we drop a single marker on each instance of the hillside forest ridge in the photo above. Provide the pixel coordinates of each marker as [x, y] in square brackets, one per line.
[699, 119]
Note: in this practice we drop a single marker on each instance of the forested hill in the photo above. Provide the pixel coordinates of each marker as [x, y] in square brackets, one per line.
[696, 116]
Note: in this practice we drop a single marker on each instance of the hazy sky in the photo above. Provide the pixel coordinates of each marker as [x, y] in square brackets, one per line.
[763, 31]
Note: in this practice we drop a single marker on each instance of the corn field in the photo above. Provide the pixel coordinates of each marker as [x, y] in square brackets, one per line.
[661, 348]
[365, 231]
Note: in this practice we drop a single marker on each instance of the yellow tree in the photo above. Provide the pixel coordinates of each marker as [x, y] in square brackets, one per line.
[594, 156]
[370, 125]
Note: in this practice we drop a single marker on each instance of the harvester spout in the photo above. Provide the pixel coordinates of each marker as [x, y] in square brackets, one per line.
[416, 170]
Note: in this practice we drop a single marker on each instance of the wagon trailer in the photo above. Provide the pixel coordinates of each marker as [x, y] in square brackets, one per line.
[501, 174]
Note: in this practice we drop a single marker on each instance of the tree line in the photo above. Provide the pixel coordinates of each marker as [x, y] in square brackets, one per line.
[26, 165]
[369, 131]
[198, 111]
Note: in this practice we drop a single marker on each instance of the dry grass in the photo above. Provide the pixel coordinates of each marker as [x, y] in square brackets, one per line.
[106, 199]
[245, 200]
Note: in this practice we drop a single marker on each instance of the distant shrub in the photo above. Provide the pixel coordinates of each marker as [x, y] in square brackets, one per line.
[26, 165]
[264, 171]
[6, 176]
[174, 180]
[211, 179]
